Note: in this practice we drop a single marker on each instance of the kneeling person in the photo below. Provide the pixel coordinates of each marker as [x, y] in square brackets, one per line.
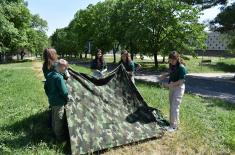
[57, 93]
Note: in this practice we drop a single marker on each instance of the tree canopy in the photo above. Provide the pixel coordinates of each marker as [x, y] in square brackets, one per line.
[19, 29]
[141, 26]
[225, 23]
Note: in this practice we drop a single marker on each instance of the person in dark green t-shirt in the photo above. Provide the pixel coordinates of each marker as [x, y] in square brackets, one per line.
[57, 94]
[98, 65]
[176, 84]
[50, 57]
[129, 65]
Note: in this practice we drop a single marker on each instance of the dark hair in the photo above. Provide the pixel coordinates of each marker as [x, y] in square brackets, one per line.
[127, 58]
[124, 51]
[49, 55]
[99, 59]
[176, 56]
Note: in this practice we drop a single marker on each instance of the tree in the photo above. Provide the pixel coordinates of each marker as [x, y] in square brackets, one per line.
[205, 4]
[18, 27]
[153, 24]
[150, 27]
[225, 23]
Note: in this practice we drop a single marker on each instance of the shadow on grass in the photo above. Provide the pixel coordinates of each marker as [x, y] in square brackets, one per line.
[222, 104]
[147, 83]
[15, 61]
[221, 66]
[30, 132]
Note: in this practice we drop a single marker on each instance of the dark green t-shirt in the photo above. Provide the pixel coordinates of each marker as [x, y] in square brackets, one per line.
[56, 89]
[129, 66]
[178, 73]
[96, 66]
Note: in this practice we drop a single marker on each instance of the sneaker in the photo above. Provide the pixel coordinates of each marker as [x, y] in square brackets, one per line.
[170, 129]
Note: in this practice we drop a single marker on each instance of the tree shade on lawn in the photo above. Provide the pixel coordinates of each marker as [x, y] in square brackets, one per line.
[207, 125]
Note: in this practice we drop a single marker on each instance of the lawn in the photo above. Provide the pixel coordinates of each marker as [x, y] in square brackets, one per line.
[217, 65]
[207, 125]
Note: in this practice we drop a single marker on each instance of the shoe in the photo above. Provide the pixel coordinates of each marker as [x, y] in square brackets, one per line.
[170, 129]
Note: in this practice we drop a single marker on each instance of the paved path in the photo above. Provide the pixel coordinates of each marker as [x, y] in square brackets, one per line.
[217, 85]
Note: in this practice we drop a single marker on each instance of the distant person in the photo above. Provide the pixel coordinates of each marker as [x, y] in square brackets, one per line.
[130, 67]
[176, 84]
[50, 57]
[123, 57]
[128, 64]
[98, 65]
[57, 93]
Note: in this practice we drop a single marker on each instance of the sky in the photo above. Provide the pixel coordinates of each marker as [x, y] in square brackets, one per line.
[58, 13]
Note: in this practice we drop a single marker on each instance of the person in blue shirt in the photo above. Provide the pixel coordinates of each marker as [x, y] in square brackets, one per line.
[176, 85]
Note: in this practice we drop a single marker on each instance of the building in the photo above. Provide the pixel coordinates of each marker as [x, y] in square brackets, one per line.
[216, 42]
[217, 45]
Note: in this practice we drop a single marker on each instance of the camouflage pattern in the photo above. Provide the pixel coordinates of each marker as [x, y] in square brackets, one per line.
[109, 112]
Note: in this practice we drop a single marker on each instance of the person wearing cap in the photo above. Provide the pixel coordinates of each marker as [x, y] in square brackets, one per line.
[57, 94]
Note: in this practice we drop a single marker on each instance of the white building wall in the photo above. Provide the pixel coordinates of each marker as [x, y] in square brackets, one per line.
[216, 41]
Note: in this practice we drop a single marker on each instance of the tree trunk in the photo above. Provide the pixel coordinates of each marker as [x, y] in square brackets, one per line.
[17, 55]
[22, 54]
[164, 59]
[155, 60]
[115, 49]
[114, 55]
[132, 55]
[81, 56]
[85, 54]
[4, 57]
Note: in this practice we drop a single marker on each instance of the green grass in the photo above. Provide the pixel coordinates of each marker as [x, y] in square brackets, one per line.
[207, 125]
[23, 117]
[193, 65]
[81, 69]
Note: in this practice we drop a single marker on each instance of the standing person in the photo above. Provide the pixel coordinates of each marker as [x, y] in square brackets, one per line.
[130, 67]
[57, 93]
[176, 84]
[128, 64]
[50, 57]
[123, 57]
[98, 65]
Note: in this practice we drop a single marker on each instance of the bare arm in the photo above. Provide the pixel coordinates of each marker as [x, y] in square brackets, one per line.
[163, 76]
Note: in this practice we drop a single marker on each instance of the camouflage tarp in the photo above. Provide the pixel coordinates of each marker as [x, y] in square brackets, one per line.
[108, 112]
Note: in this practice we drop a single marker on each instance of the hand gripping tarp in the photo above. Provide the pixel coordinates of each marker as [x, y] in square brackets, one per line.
[109, 112]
